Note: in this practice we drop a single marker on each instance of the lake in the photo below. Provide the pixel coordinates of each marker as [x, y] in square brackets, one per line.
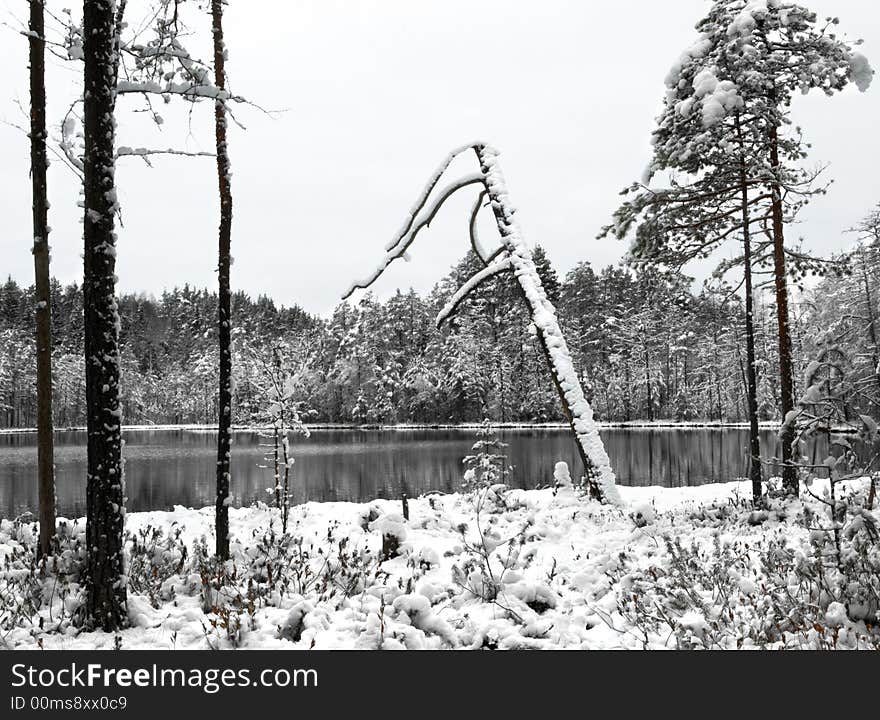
[164, 468]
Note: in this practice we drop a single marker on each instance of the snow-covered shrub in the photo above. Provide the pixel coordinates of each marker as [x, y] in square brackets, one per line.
[764, 593]
[561, 475]
[564, 489]
[487, 561]
[41, 593]
[294, 625]
[392, 527]
[845, 563]
[643, 515]
[154, 557]
[536, 596]
[281, 565]
[417, 608]
[229, 611]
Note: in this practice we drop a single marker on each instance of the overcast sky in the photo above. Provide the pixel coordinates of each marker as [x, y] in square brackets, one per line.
[373, 95]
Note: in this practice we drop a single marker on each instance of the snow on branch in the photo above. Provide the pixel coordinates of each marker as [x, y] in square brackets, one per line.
[186, 89]
[420, 217]
[146, 153]
[426, 192]
[467, 288]
[476, 245]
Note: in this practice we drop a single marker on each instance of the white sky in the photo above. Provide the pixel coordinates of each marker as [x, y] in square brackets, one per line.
[375, 93]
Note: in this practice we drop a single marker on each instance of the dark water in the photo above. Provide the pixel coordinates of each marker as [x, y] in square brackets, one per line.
[164, 468]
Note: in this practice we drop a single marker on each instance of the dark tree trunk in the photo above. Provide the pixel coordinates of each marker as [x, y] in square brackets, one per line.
[224, 435]
[786, 373]
[45, 449]
[755, 474]
[106, 591]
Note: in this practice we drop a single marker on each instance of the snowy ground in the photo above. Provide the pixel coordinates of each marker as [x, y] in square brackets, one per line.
[570, 574]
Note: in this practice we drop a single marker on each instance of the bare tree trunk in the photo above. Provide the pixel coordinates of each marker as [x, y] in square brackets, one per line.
[106, 590]
[224, 434]
[45, 448]
[751, 374]
[786, 373]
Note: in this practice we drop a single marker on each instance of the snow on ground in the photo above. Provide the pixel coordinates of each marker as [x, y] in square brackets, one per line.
[567, 572]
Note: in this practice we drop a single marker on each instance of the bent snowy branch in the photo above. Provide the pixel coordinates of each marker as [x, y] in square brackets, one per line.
[397, 249]
[472, 284]
[426, 193]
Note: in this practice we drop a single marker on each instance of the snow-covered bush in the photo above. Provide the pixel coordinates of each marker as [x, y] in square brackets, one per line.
[392, 527]
[643, 515]
[844, 567]
[488, 559]
[154, 557]
[280, 565]
[766, 593]
[44, 593]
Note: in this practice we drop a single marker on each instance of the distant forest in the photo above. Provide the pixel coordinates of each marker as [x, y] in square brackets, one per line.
[646, 345]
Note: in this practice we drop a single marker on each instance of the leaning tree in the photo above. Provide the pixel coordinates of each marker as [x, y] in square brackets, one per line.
[513, 255]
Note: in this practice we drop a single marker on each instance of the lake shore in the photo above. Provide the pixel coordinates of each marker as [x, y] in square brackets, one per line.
[509, 569]
[635, 425]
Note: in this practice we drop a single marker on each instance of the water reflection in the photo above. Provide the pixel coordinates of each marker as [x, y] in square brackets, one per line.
[176, 467]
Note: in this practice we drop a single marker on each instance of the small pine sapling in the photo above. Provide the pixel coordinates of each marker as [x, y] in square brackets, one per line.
[282, 414]
[487, 465]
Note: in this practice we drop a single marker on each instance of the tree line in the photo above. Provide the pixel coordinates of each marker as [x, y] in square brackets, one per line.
[649, 347]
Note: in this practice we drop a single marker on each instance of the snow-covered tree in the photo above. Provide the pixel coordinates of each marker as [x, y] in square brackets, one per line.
[516, 256]
[224, 316]
[105, 488]
[726, 127]
[279, 371]
[39, 165]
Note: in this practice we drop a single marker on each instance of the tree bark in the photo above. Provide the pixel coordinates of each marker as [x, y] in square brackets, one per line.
[224, 435]
[755, 474]
[786, 373]
[39, 164]
[106, 590]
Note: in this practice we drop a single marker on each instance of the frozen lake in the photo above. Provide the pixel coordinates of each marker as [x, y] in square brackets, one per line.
[164, 468]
